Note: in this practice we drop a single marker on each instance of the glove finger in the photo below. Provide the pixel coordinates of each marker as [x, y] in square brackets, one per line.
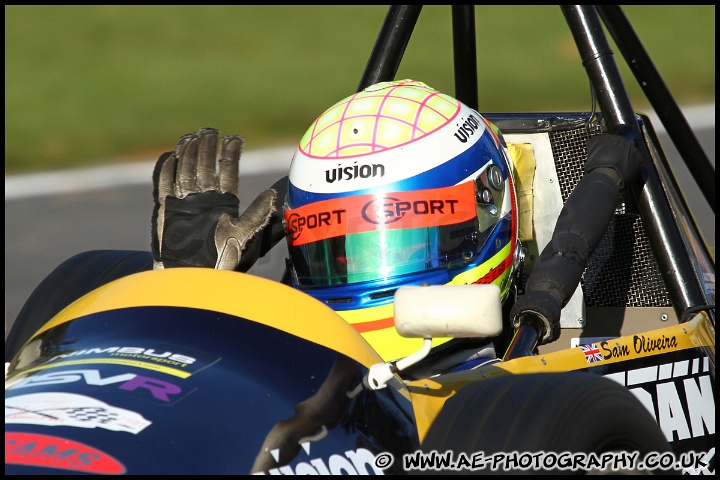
[230, 164]
[207, 150]
[163, 186]
[187, 152]
[257, 215]
[165, 177]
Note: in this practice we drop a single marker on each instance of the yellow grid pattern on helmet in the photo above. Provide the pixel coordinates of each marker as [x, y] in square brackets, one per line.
[383, 116]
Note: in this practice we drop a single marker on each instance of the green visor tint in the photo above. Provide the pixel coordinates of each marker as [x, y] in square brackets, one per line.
[379, 236]
[383, 254]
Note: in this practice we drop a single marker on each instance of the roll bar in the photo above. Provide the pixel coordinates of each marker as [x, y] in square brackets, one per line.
[675, 261]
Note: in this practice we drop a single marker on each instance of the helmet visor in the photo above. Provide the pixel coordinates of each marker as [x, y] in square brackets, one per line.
[379, 236]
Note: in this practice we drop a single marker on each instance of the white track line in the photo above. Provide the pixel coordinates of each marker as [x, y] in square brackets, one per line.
[273, 160]
[135, 173]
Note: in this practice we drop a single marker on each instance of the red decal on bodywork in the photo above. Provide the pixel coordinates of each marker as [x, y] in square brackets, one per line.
[39, 450]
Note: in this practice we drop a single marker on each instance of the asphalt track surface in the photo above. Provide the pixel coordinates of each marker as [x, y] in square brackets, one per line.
[51, 216]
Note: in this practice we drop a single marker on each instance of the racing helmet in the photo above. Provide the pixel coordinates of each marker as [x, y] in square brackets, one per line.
[398, 184]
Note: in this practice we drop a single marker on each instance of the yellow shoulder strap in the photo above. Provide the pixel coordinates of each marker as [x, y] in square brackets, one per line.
[524, 161]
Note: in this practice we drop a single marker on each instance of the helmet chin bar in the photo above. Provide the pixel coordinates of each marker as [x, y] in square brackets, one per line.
[457, 311]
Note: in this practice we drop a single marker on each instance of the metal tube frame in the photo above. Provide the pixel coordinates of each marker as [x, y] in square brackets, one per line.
[584, 22]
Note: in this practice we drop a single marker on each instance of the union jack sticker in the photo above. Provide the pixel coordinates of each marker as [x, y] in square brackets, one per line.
[591, 352]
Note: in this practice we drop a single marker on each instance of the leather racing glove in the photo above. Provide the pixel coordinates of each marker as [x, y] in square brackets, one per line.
[196, 221]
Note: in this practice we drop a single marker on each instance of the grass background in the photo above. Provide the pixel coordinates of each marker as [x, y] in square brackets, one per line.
[98, 84]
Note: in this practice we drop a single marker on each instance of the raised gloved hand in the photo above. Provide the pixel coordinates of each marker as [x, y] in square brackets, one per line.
[196, 221]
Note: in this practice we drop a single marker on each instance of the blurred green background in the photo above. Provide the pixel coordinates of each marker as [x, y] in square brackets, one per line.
[105, 83]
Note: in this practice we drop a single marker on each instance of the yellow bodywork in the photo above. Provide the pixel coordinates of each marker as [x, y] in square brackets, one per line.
[242, 295]
[429, 395]
[279, 306]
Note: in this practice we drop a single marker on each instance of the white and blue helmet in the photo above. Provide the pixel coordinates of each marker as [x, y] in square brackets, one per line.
[398, 184]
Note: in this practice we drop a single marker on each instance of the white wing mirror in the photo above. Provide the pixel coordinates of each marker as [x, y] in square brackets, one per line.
[448, 311]
[456, 311]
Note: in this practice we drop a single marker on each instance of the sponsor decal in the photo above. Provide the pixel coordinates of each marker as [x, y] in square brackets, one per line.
[364, 213]
[607, 350]
[47, 451]
[165, 361]
[321, 219]
[159, 389]
[170, 358]
[643, 344]
[612, 350]
[467, 128]
[679, 395]
[388, 210]
[591, 352]
[351, 462]
[71, 410]
[354, 171]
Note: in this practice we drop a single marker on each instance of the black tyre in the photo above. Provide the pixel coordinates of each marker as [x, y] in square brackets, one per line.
[556, 412]
[71, 280]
